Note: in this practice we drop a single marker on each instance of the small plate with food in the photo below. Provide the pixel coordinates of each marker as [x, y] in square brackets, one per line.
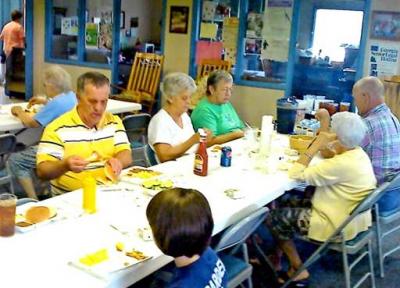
[33, 216]
[153, 186]
[106, 260]
[137, 175]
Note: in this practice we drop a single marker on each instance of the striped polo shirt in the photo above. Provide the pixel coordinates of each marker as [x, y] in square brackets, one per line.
[68, 135]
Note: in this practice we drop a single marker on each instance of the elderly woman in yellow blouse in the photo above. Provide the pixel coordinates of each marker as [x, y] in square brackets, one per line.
[341, 183]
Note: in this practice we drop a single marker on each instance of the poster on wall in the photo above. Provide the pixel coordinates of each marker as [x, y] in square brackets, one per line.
[91, 35]
[69, 25]
[229, 38]
[383, 59]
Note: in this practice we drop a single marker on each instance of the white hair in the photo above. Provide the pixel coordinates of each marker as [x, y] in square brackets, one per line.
[349, 127]
[58, 77]
[176, 83]
[371, 85]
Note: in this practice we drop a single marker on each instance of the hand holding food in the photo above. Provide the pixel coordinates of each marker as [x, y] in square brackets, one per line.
[15, 110]
[75, 163]
[36, 100]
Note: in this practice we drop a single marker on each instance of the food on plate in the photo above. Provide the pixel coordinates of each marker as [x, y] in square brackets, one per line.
[95, 257]
[93, 157]
[157, 184]
[37, 214]
[216, 148]
[109, 172]
[119, 246]
[136, 254]
[142, 173]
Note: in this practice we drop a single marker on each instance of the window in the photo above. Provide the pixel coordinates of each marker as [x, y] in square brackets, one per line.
[80, 35]
[266, 41]
[218, 31]
[331, 37]
[64, 36]
[253, 35]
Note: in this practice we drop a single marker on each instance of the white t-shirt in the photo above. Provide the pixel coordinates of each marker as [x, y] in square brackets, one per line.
[163, 129]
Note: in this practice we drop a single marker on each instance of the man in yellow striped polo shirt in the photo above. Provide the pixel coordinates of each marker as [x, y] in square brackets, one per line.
[68, 142]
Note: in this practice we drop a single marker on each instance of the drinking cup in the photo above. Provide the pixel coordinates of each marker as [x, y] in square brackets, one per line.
[89, 194]
[7, 214]
[344, 106]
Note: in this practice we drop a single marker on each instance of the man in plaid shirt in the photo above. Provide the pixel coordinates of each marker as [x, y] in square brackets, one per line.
[382, 143]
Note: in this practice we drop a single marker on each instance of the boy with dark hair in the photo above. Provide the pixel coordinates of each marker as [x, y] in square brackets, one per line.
[182, 225]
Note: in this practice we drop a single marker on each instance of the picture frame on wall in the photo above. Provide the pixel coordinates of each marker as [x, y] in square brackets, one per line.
[179, 19]
[385, 25]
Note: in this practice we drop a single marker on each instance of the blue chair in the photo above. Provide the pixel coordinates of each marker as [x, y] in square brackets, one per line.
[7, 146]
[237, 266]
[361, 243]
[150, 156]
[385, 220]
[136, 129]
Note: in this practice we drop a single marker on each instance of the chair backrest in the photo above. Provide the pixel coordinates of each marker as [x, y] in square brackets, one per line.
[240, 231]
[136, 127]
[7, 146]
[145, 73]
[206, 66]
[362, 207]
[150, 156]
[391, 183]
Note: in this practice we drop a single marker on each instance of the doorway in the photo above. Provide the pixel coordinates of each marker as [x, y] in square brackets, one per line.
[19, 78]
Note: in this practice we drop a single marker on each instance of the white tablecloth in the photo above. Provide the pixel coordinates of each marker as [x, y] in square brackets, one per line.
[9, 122]
[40, 257]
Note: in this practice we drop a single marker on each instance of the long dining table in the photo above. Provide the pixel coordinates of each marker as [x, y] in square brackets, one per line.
[8, 122]
[47, 254]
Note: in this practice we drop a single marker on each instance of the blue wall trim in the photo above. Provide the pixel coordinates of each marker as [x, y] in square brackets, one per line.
[115, 45]
[29, 50]
[196, 14]
[363, 41]
[243, 7]
[163, 25]
[48, 30]
[79, 63]
[81, 30]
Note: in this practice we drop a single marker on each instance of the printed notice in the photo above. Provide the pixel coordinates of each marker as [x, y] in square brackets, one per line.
[383, 60]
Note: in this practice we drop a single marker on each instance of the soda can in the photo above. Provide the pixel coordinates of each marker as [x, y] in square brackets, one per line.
[226, 156]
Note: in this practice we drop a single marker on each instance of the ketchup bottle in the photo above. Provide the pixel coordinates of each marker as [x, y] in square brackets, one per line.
[201, 157]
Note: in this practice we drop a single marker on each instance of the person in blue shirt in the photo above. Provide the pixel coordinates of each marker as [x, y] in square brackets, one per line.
[182, 223]
[60, 99]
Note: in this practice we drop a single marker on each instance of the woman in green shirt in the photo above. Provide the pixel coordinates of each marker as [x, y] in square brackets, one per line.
[215, 112]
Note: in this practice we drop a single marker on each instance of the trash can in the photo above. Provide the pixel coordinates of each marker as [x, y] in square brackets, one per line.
[286, 114]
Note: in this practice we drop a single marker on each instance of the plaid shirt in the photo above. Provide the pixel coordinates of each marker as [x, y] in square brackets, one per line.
[382, 142]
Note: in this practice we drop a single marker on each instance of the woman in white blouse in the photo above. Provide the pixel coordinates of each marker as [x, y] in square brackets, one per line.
[171, 132]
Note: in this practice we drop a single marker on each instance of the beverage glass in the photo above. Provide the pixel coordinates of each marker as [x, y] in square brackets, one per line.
[7, 214]
[250, 137]
[344, 106]
[89, 194]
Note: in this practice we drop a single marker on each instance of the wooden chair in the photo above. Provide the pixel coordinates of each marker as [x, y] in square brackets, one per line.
[143, 80]
[206, 66]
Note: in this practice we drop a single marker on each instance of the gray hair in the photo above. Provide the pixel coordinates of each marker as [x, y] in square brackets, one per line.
[215, 77]
[58, 78]
[371, 85]
[349, 127]
[176, 83]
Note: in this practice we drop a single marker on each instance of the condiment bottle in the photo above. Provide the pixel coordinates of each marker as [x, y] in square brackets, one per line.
[201, 157]
[89, 194]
